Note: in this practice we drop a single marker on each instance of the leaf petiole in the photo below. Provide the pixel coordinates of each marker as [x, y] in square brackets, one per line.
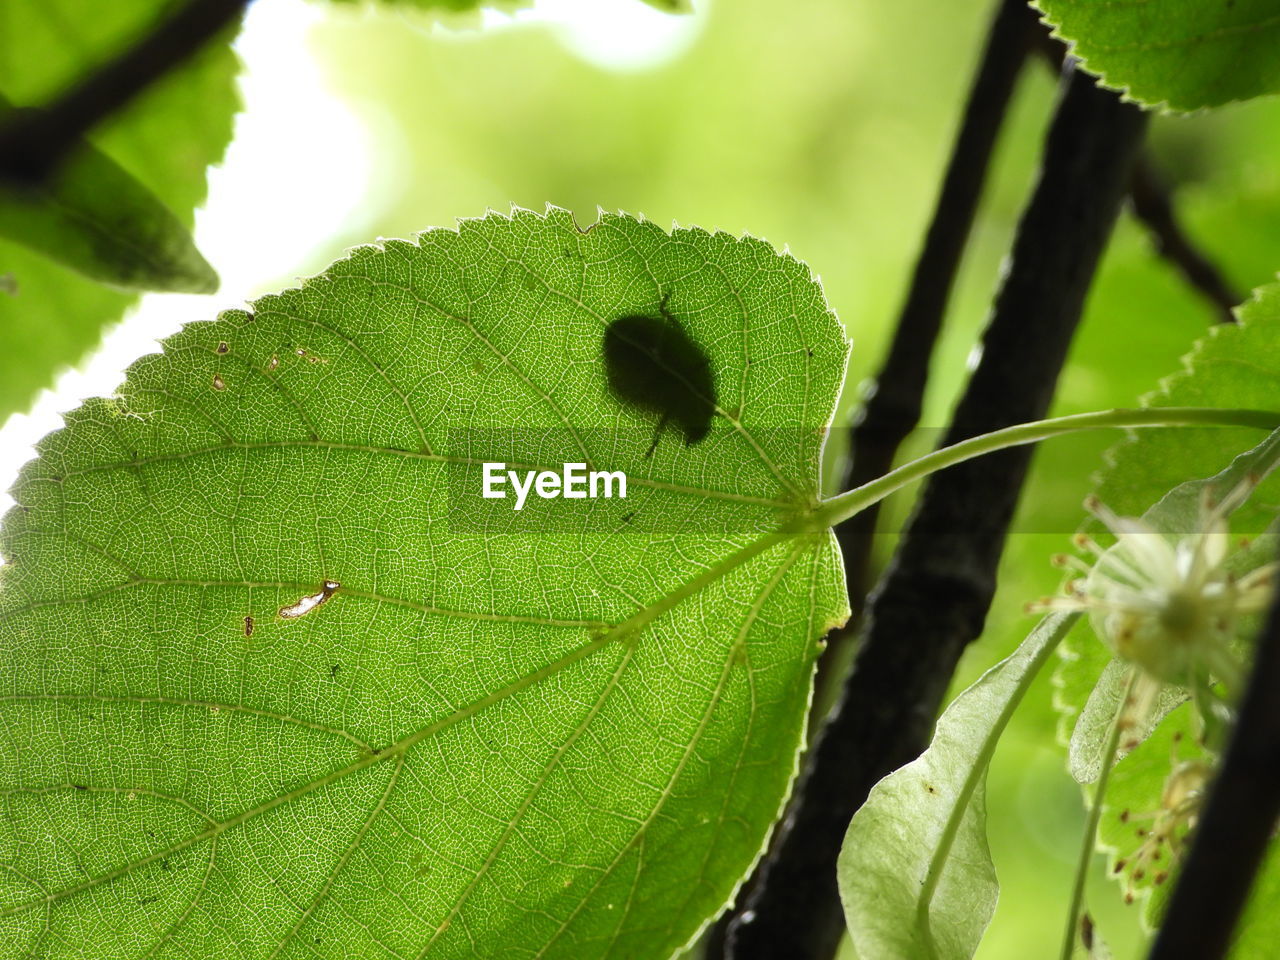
[842, 506]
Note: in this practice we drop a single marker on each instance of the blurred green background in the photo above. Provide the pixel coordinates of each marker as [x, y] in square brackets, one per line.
[822, 126]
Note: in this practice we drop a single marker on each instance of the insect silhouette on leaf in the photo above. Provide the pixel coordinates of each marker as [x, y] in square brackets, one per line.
[651, 363]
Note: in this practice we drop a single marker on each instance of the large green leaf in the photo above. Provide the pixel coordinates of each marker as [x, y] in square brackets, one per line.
[51, 316]
[562, 731]
[1184, 54]
[915, 874]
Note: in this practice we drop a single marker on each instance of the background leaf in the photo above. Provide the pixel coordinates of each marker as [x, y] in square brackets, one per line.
[928, 819]
[558, 732]
[166, 139]
[98, 220]
[1186, 54]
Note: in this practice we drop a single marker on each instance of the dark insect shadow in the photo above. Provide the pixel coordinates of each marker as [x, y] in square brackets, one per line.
[651, 364]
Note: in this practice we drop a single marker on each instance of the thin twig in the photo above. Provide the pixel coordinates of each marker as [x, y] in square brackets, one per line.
[1153, 206]
[934, 599]
[34, 141]
[1238, 822]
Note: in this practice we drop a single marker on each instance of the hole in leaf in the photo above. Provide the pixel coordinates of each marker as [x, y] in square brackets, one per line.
[312, 600]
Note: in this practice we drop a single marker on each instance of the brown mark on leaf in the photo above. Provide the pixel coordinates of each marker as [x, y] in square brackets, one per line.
[218, 382]
[248, 626]
[222, 347]
[9, 284]
[308, 356]
[275, 362]
[312, 600]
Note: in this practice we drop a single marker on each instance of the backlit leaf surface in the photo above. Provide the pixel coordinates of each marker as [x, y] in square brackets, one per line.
[1185, 54]
[558, 732]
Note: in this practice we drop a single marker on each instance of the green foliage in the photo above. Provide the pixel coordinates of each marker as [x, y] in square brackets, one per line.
[165, 141]
[1232, 364]
[563, 731]
[1184, 54]
[98, 220]
[915, 873]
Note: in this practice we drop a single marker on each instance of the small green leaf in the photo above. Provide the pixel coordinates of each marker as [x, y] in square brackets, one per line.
[50, 315]
[277, 679]
[1134, 799]
[915, 873]
[1184, 54]
[97, 219]
[1085, 752]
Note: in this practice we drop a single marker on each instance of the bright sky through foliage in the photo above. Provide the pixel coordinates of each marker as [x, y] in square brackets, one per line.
[622, 34]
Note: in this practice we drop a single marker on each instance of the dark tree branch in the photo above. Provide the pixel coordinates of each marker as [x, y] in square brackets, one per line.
[893, 407]
[1153, 206]
[934, 598]
[1237, 824]
[894, 404]
[34, 141]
